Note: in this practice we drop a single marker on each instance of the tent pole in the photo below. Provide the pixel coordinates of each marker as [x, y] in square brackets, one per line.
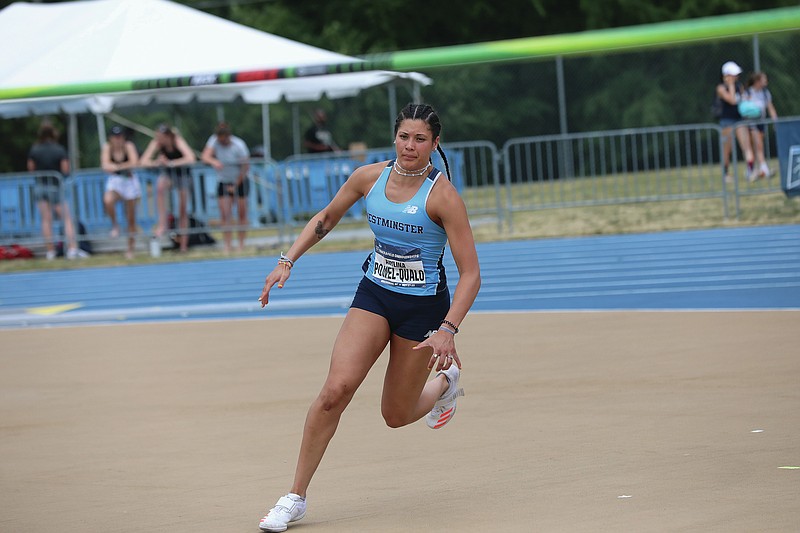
[392, 89]
[74, 160]
[296, 128]
[562, 99]
[756, 54]
[176, 118]
[101, 129]
[565, 148]
[265, 138]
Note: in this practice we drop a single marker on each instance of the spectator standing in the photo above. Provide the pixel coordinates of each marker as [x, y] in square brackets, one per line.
[760, 95]
[170, 152]
[119, 158]
[229, 156]
[47, 156]
[730, 91]
[317, 138]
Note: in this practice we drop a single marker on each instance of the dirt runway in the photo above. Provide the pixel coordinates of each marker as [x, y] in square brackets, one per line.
[572, 422]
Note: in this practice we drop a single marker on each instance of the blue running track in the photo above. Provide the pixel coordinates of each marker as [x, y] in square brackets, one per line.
[721, 269]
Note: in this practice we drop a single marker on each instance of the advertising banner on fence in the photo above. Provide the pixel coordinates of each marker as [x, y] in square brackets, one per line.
[788, 135]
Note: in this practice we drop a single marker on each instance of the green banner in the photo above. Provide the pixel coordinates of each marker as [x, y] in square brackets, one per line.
[584, 43]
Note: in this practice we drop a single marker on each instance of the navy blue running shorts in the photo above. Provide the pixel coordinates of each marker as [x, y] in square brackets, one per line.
[224, 189]
[410, 317]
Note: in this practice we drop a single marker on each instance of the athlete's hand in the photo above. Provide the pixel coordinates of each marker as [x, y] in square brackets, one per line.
[444, 350]
[279, 275]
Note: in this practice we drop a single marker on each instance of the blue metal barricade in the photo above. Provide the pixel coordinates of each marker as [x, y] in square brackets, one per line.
[19, 215]
[86, 189]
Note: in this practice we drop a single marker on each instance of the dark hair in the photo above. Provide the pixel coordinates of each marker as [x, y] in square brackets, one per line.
[47, 132]
[223, 128]
[427, 114]
[754, 77]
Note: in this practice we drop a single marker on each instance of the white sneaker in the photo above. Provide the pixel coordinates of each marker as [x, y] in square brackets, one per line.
[445, 407]
[50, 255]
[290, 508]
[76, 253]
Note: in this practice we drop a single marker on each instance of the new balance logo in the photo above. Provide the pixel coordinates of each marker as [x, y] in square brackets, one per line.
[411, 209]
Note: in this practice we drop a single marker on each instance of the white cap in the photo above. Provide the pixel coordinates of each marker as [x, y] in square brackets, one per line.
[731, 69]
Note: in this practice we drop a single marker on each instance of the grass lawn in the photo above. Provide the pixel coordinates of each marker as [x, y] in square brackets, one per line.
[771, 208]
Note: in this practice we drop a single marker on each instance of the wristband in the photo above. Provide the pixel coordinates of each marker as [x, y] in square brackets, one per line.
[448, 330]
[285, 261]
[455, 328]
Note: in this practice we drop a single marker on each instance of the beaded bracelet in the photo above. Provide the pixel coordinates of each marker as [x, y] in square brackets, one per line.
[455, 328]
[285, 261]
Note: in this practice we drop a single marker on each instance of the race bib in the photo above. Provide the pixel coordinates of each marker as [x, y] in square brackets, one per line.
[400, 267]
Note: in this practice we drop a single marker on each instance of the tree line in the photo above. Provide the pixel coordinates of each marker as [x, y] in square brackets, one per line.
[496, 102]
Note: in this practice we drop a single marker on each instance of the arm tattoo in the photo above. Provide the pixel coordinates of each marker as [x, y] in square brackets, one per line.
[321, 231]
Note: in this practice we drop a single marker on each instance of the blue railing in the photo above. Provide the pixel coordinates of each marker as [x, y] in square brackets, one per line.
[18, 213]
[527, 174]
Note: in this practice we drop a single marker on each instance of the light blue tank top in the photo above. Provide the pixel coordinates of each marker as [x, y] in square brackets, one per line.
[408, 245]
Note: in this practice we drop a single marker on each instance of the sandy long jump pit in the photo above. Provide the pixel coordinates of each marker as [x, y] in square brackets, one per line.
[573, 422]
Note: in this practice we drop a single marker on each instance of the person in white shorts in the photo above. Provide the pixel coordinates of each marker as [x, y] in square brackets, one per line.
[119, 157]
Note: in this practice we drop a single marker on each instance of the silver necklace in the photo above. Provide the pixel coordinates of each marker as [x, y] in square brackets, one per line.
[411, 173]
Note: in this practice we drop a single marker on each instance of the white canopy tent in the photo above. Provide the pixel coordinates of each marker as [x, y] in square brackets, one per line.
[97, 41]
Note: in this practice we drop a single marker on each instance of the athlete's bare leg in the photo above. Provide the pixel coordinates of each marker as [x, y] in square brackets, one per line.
[361, 339]
[407, 393]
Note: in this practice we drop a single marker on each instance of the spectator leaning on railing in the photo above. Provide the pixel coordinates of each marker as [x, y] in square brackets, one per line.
[172, 155]
[229, 156]
[118, 158]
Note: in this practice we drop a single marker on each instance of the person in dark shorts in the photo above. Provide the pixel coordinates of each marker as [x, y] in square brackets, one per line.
[170, 152]
[50, 161]
[229, 156]
[730, 92]
[402, 301]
